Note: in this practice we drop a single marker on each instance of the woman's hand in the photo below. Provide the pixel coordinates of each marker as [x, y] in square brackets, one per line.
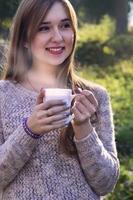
[48, 115]
[84, 107]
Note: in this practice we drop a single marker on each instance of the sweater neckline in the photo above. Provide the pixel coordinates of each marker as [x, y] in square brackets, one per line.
[25, 90]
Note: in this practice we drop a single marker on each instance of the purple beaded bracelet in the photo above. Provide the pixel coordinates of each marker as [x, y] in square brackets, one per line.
[29, 131]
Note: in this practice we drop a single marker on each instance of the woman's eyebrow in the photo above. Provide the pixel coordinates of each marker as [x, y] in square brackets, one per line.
[48, 22]
[64, 20]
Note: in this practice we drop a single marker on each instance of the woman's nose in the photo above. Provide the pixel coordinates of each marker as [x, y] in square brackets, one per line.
[57, 35]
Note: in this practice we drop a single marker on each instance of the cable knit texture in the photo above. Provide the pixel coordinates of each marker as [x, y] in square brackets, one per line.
[35, 169]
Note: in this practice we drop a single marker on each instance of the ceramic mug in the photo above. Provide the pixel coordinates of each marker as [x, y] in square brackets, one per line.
[59, 94]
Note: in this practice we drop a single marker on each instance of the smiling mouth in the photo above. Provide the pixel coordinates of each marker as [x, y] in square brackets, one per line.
[55, 50]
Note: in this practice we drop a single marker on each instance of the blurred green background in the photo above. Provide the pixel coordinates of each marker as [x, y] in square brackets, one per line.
[104, 55]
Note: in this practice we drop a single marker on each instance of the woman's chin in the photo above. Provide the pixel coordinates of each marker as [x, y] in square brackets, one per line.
[56, 62]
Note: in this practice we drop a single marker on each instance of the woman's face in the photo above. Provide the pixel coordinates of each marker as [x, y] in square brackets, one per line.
[53, 42]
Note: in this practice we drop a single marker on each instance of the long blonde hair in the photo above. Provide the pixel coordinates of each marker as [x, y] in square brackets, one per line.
[26, 22]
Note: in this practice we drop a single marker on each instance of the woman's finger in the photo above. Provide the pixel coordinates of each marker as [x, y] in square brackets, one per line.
[90, 96]
[86, 111]
[84, 105]
[78, 116]
[75, 109]
[82, 98]
[58, 116]
[40, 97]
[55, 125]
[56, 110]
[52, 127]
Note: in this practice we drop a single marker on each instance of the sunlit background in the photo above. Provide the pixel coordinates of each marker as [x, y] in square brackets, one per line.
[130, 15]
[104, 55]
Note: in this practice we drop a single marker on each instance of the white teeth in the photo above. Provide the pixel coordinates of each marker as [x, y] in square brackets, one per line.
[55, 49]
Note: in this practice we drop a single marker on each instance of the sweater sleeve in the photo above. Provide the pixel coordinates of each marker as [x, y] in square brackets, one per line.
[97, 152]
[14, 153]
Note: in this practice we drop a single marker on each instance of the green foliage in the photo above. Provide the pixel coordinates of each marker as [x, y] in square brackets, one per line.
[100, 32]
[92, 41]
[6, 23]
[122, 45]
[7, 11]
[117, 77]
[97, 44]
[125, 140]
[4, 29]
[124, 187]
[93, 10]
[118, 81]
[8, 8]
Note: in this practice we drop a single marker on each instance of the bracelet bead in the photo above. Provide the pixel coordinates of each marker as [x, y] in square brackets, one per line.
[29, 131]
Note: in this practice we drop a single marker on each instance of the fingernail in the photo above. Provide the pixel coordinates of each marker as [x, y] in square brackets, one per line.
[67, 114]
[67, 121]
[78, 90]
[66, 106]
[63, 101]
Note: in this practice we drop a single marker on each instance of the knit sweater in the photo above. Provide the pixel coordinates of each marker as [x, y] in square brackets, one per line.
[35, 169]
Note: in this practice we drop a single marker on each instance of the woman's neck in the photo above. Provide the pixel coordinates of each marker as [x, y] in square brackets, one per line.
[37, 80]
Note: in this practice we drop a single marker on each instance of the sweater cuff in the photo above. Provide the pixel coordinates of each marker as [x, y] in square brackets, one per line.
[21, 138]
[89, 141]
[91, 136]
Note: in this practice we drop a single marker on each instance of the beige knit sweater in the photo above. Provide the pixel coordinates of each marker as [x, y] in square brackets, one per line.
[34, 169]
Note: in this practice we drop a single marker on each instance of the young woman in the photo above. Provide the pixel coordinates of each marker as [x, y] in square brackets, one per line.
[42, 156]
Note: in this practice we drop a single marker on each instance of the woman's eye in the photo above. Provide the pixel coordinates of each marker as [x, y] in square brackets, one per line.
[44, 28]
[66, 25]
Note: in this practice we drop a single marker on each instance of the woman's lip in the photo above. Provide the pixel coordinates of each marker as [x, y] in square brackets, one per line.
[55, 50]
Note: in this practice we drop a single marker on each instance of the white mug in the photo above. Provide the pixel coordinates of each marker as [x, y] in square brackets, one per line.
[59, 94]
